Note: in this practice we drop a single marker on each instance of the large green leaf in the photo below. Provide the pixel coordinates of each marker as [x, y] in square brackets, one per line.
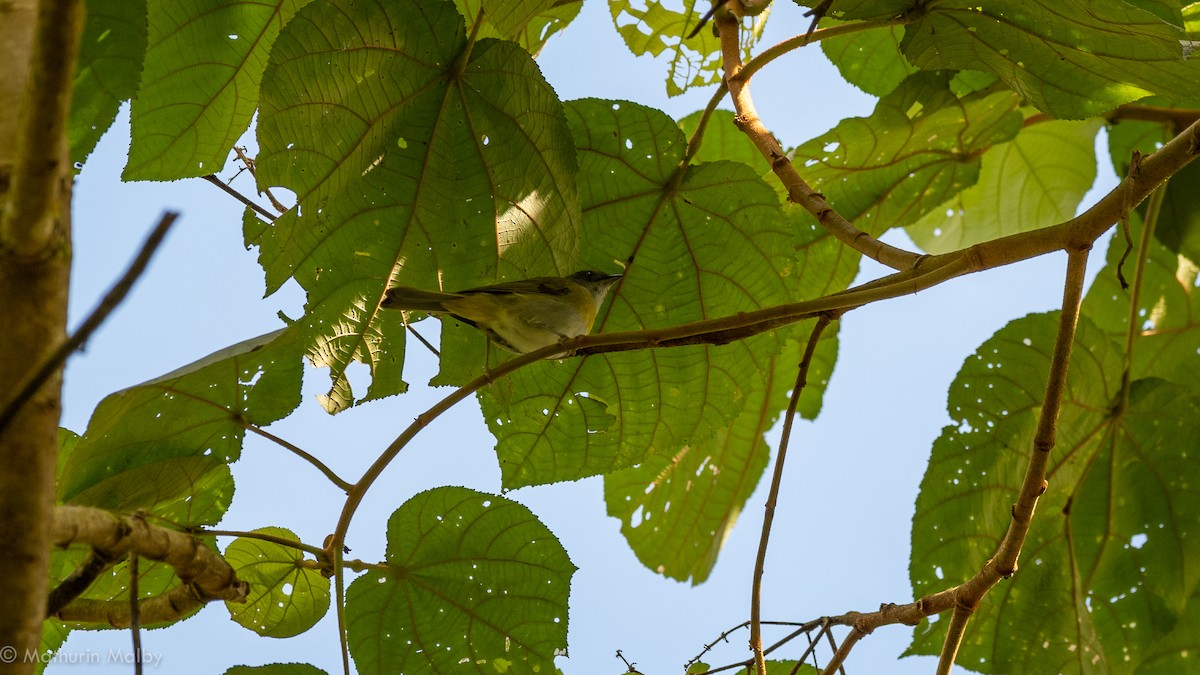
[919, 148]
[163, 447]
[652, 27]
[418, 157]
[199, 88]
[1033, 181]
[704, 243]
[676, 511]
[1110, 562]
[110, 64]
[1070, 58]
[286, 596]
[473, 583]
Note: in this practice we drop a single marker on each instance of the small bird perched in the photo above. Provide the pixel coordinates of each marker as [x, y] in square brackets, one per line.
[519, 316]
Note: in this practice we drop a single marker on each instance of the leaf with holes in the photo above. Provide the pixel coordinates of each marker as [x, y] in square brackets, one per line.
[418, 157]
[1033, 181]
[199, 88]
[164, 446]
[920, 147]
[675, 512]
[1072, 59]
[1109, 565]
[286, 597]
[472, 583]
[110, 65]
[701, 243]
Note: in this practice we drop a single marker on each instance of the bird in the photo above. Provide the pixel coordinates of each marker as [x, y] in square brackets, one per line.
[519, 316]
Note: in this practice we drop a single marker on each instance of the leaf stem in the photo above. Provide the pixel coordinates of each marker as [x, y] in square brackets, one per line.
[337, 480]
[814, 337]
[796, 42]
[1132, 330]
[212, 178]
[261, 536]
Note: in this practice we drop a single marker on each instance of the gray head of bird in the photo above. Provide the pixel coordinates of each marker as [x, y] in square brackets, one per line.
[595, 282]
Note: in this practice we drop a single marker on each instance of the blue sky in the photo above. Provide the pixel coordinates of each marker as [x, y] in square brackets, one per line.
[841, 537]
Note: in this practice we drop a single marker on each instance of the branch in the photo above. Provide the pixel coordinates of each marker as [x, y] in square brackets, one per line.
[212, 178]
[204, 573]
[78, 581]
[1178, 118]
[110, 301]
[796, 42]
[799, 191]
[337, 480]
[34, 222]
[1003, 563]
[760, 664]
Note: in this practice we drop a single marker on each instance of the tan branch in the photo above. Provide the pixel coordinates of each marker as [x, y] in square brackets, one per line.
[204, 573]
[799, 191]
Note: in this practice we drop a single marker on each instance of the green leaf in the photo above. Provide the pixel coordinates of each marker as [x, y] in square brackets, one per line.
[277, 669]
[529, 23]
[164, 446]
[286, 598]
[473, 583]
[204, 62]
[675, 512]
[722, 140]
[54, 634]
[861, 10]
[1109, 564]
[1033, 181]
[920, 147]
[701, 244]
[1167, 338]
[651, 27]
[110, 64]
[400, 138]
[870, 60]
[1072, 59]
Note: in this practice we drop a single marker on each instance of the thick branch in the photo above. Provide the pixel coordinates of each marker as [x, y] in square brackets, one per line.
[205, 575]
[799, 191]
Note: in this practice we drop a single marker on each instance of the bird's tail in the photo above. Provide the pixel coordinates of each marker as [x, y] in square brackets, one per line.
[416, 300]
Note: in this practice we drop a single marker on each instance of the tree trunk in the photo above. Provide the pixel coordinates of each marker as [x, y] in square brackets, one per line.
[38, 49]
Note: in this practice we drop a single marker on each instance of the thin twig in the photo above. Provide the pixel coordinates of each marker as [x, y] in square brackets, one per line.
[797, 41]
[799, 191]
[773, 494]
[212, 178]
[135, 621]
[421, 338]
[248, 162]
[110, 301]
[839, 657]
[261, 536]
[337, 480]
[77, 581]
[702, 124]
